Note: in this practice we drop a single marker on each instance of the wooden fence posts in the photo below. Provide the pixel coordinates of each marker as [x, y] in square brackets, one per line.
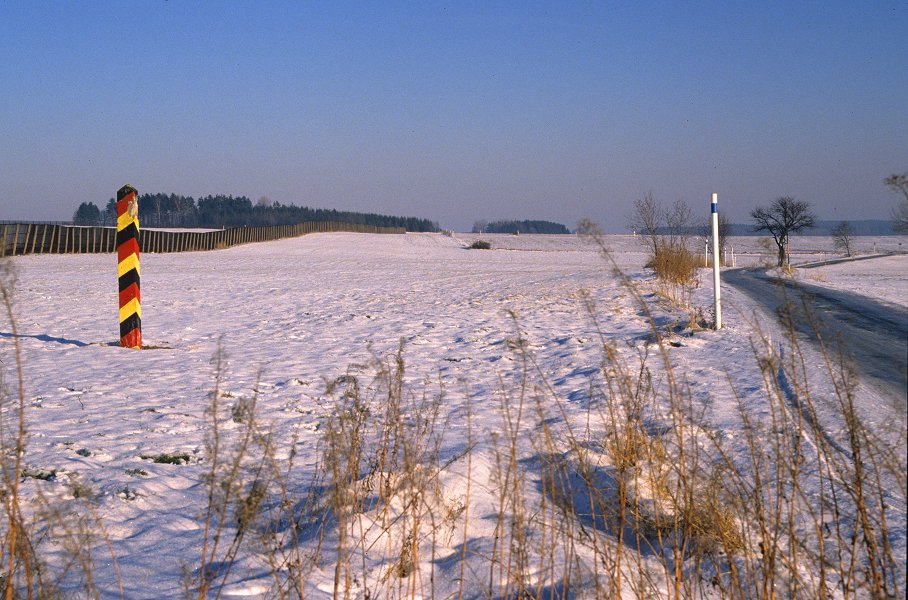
[51, 238]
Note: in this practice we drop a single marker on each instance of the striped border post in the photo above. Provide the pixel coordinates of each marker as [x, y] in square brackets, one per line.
[128, 267]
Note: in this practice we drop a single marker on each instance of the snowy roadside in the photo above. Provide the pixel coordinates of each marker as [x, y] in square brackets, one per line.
[881, 277]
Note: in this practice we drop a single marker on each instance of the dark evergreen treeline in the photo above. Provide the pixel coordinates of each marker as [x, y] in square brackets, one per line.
[172, 210]
[519, 227]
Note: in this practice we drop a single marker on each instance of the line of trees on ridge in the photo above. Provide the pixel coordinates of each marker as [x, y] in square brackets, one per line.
[173, 210]
[665, 230]
[519, 227]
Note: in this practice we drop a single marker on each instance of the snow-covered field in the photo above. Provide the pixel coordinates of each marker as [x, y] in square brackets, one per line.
[884, 278]
[297, 321]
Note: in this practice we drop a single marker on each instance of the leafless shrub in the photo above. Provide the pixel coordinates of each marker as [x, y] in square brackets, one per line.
[666, 235]
[899, 183]
[843, 237]
[646, 219]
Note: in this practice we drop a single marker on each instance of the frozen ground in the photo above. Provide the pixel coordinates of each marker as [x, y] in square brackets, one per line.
[294, 316]
[748, 250]
[882, 277]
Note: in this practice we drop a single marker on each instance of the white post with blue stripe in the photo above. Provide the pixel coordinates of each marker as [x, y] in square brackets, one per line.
[716, 294]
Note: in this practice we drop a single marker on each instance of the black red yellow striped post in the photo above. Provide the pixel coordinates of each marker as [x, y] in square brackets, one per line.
[128, 267]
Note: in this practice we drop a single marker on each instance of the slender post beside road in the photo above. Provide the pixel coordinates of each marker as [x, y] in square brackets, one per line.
[716, 294]
[128, 267]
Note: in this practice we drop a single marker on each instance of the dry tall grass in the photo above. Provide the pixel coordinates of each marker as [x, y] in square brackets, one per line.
[638, 496]
[675, 267]
[67, 528]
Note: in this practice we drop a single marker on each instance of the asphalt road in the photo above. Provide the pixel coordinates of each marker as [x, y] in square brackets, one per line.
[873, 334]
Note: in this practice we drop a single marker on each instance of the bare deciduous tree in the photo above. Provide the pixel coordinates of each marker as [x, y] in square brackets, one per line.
[645, 220]
[899, 183]
[724, 232]
[900, 217]
[678, 224]
[842, 237]
[782, 218]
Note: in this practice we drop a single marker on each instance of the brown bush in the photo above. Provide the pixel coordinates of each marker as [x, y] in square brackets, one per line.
[674, 264]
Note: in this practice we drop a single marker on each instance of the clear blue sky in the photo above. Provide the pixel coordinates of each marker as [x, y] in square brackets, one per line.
[455, 111]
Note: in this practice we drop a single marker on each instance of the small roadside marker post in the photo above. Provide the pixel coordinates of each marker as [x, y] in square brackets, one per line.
[716, 295]
[128, 267]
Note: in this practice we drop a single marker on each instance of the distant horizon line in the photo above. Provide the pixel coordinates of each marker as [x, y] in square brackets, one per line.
[871, 227]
